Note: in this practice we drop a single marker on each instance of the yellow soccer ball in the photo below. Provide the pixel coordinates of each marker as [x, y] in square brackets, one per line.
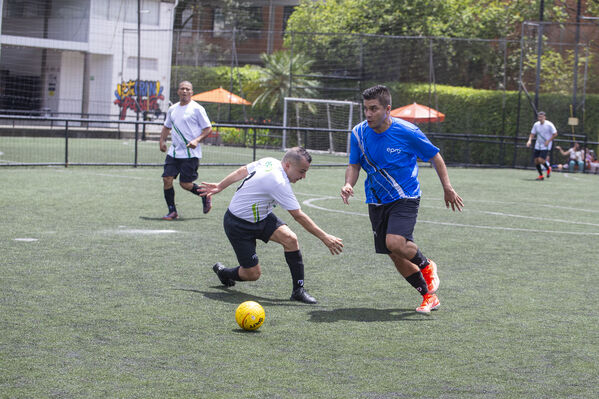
[250, 315]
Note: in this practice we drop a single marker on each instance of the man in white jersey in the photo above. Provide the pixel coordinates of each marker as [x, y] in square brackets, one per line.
[189, 125]
[267, 182]
[546, 133]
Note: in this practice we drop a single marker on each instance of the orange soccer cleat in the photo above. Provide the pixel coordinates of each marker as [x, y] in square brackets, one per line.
[431, 277]
[429, 302]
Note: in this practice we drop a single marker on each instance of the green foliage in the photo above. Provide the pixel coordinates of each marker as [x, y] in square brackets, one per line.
[557, 75]
[245, 82]
[489, 113]
[207, 78]
[264, 86]
[346, 46]
[275, 81]
[245, 137]
[450, 18]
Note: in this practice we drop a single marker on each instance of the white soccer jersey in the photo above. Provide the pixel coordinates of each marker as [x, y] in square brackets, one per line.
[543, 133]
[186, 123]
[266, 185]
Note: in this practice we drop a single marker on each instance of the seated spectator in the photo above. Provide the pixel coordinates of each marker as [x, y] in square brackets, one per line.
[575, 155]
[592, 164]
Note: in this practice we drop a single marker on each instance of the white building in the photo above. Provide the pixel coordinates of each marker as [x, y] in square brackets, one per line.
[75, 57]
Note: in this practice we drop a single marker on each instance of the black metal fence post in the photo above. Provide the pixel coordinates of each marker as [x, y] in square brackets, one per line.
[136, 141]
[254, 152]
[66, 144]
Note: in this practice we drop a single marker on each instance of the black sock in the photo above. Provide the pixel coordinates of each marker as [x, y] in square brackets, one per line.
[195, 189]
[169, 196]
[417, 281]
[232, 273]
[540, 170]
[420, 260]
[296, 267]
[547, 166]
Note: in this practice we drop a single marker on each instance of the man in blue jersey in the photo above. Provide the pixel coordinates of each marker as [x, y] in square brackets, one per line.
[188, 124]
[387, 149]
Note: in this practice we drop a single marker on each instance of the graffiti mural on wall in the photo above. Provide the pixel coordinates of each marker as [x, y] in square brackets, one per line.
[148, 94]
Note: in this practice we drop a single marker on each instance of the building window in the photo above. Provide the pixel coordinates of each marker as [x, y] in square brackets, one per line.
[148, 64]
[126, 10]
[187, 22]
[218, 23]
[58, 19]
[248, 20]
[254, 21]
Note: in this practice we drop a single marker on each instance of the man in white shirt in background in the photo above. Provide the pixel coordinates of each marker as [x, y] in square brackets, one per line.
[546, 133]
[188, 124]
[267, 182]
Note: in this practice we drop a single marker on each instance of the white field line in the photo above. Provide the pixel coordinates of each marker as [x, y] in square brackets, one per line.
[567, 176]
[140, 231]
[430, 199]
[310, 203]
[568, 208]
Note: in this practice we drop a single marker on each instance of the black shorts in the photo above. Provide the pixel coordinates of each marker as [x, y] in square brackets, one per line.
[397, 217]
[243, 234]
[187, 167]
[541, 153]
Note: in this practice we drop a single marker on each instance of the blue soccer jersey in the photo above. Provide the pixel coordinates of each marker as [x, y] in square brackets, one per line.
[390, 160]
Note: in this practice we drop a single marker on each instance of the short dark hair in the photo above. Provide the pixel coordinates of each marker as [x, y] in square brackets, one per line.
[296, 153]
[378, 92]
[541, 113]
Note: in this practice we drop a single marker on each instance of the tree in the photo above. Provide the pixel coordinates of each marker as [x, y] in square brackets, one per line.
[488, 19]
[275, 81]
[347, 48]
[237, 14]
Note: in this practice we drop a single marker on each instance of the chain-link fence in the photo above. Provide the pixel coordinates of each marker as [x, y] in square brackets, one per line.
[488, 89]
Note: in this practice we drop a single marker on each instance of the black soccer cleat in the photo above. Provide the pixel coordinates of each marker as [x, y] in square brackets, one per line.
[300, 294]
[218, 268]
[206, 204]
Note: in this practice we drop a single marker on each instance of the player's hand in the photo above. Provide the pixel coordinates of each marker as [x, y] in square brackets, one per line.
[162, 146]
[528, 143]
[192, 144]
[209, 189]
[452, 198]
[335, 244]
[346, 192]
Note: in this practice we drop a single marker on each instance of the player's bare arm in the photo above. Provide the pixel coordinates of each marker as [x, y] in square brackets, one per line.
[351, 177]
[163, 136]
[451, 197]
[209, 189]
[195, 142]
[529, 142]
[334, 244]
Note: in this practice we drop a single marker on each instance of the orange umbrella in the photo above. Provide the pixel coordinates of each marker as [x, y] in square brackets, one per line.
[416, 113]
[220, 95]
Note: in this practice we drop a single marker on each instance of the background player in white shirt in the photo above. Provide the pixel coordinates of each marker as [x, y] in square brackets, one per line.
[249, 217]
[546, 133]
[189, 125]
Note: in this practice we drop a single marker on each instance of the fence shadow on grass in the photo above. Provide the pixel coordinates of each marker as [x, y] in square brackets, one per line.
[365, 315]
